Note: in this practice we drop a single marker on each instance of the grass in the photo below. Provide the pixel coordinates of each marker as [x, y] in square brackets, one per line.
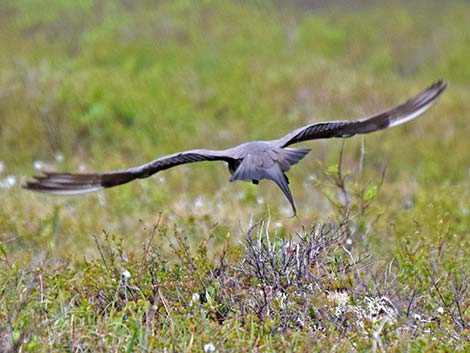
[375, 261]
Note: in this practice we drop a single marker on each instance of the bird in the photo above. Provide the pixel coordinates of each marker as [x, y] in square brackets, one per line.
[251, 161]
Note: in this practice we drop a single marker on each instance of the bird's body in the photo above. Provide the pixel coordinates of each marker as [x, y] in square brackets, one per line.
[250, 161]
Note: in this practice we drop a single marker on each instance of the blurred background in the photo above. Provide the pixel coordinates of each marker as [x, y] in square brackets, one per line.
[102, 85]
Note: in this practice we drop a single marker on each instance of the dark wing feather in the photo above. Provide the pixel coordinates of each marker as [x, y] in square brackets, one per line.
[69, 183]
[346, 128]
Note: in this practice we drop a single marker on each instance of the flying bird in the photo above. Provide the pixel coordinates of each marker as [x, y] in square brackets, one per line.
[251, 161]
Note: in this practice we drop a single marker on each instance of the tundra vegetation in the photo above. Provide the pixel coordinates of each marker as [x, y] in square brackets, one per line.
[377, 258]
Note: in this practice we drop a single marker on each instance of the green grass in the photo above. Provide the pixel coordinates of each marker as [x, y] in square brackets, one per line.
[101, 85]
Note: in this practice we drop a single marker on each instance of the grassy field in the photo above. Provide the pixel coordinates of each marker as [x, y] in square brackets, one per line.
[377, 258]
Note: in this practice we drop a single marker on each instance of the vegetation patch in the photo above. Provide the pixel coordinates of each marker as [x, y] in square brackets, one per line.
[377, 257]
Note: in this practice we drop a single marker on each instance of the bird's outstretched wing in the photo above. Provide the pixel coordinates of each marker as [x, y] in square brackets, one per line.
[70, 183]
[346, 128]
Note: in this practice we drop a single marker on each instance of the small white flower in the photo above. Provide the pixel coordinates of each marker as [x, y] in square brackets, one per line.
[259, 200]
[81, 168]
[59, 157]
[8, 182]
[340, 299]
[278, 224]
[195, 298]
[349, 241]
[2, 166]
[440, 310]
[209, 347]
[125, 274]
[199, 202]
[417, 317]
[38, 165]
